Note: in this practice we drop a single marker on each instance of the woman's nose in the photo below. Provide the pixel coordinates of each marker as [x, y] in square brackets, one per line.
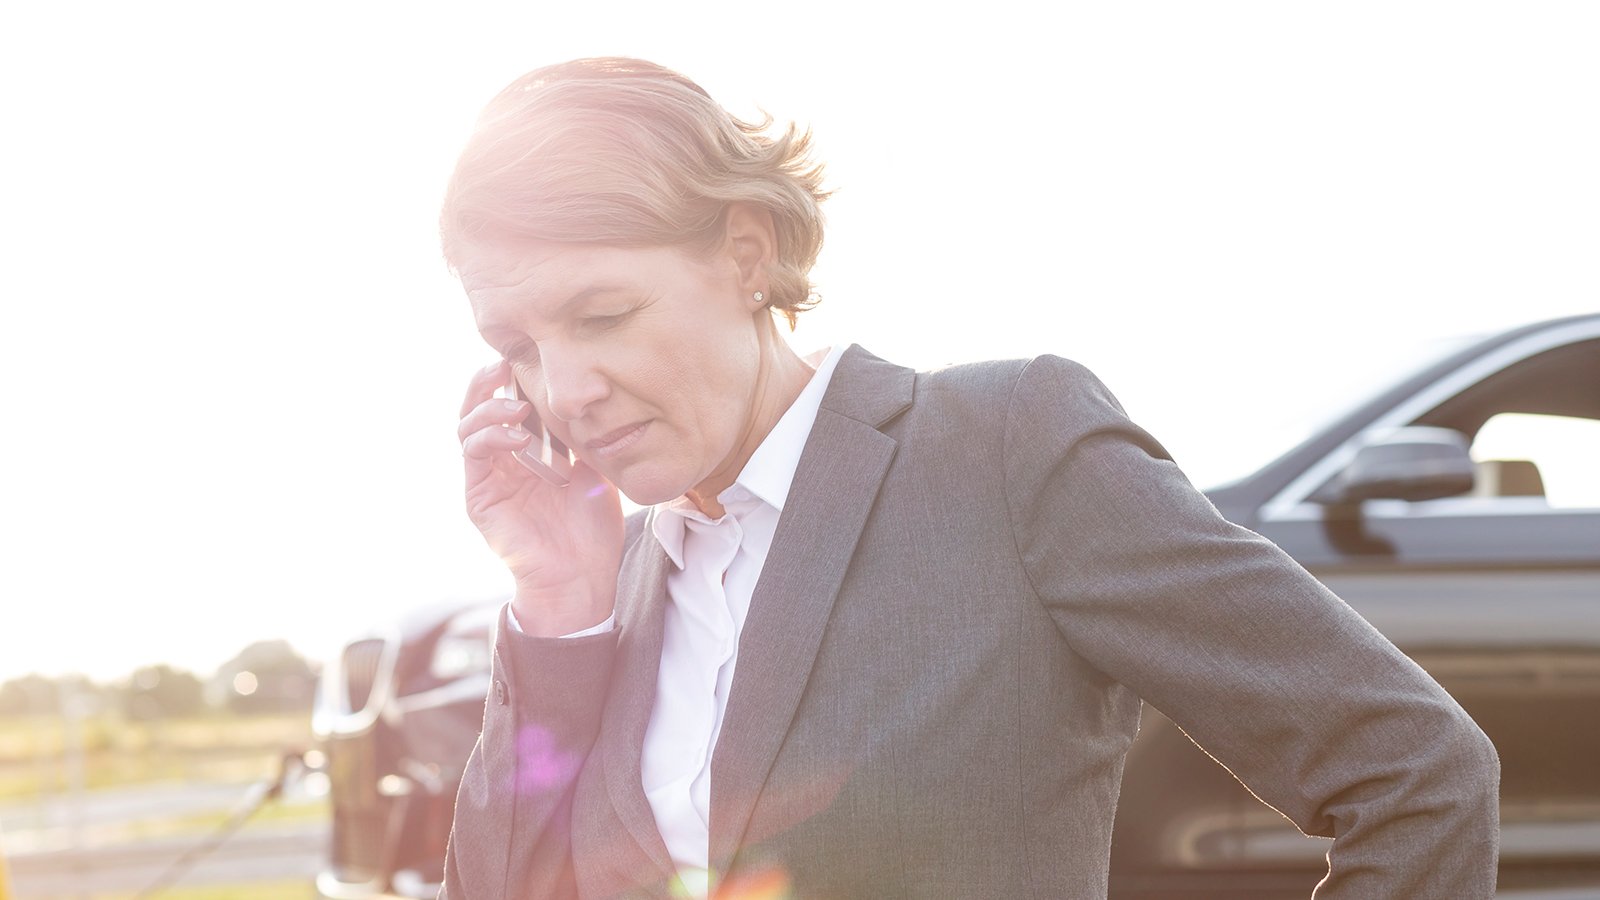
[571, 382]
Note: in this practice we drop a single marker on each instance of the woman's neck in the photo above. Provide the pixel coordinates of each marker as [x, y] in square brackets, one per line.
[779, 381]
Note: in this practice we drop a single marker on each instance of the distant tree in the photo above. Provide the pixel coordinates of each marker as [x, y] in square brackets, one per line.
[32, 694]
[161, 692]
[36, 694]
[266, 677]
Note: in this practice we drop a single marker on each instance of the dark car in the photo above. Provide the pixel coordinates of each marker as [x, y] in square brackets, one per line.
[396, 715]
[1458, 510]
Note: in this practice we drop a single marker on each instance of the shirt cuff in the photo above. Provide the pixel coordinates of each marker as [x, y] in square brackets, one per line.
[602, 628]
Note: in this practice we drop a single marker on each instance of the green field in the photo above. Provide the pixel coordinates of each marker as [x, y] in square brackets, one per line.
[221, 748]
[118, 753]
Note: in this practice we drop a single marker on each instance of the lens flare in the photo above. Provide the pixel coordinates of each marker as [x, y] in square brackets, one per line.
[540, 763]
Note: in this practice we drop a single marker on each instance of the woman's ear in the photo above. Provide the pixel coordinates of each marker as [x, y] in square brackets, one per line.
[752, 244]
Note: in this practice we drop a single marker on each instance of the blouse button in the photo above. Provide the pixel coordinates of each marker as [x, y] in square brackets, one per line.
[500, 692]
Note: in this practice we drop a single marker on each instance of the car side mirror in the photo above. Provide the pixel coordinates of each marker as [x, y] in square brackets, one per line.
[1413, 463]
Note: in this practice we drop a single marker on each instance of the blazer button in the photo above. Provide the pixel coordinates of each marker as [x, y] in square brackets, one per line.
[500, 692]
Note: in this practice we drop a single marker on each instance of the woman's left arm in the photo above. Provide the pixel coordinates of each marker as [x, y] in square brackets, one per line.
[1280, 680]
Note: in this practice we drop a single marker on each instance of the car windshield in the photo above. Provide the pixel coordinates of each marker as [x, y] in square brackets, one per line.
[1295, 404]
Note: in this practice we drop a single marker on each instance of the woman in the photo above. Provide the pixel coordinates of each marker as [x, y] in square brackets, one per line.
[879, 633]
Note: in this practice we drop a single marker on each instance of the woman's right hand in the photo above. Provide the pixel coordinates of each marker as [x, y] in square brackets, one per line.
[562, 545]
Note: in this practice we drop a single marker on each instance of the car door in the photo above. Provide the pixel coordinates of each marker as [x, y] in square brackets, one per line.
[1497, 592]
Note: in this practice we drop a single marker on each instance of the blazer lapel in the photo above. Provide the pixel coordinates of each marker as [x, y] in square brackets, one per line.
[633, 691]
[845, 460]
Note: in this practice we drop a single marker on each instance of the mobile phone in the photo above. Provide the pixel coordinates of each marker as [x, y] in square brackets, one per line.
[546, 456]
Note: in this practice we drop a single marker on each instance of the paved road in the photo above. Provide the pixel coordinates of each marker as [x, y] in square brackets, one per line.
[45, 824]
[262, 854]
[44, 863]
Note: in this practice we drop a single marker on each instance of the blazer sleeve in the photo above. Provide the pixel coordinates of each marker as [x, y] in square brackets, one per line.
[512, 836]
[1259, 663]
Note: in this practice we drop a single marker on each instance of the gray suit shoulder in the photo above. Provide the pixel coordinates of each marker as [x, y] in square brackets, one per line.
[1002, 396]
[1003, 376]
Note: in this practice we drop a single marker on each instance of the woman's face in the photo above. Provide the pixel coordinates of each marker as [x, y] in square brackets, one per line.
[645, 361]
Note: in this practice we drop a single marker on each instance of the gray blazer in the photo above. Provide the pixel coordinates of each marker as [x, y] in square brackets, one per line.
[978, 573]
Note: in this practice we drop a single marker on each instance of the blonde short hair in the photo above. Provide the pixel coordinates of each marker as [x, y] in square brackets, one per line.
[626, 152]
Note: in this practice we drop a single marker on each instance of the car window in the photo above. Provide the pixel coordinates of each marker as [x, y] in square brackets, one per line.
[1553, 457]
[1534, 429]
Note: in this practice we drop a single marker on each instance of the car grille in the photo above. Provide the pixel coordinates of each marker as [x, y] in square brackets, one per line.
[358, 845]
[361, 671]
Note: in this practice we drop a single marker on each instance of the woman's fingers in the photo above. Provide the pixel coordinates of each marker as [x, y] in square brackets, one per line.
[490, 424]
[484, 443]
[546, 536]
[484, 383]
[493, 411]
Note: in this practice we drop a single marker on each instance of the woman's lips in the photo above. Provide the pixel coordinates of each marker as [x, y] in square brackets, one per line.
[617, 441]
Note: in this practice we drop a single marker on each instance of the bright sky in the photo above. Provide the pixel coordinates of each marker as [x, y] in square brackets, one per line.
[232, 359]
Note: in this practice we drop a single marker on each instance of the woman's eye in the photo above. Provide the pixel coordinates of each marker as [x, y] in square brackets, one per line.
[600, 323]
